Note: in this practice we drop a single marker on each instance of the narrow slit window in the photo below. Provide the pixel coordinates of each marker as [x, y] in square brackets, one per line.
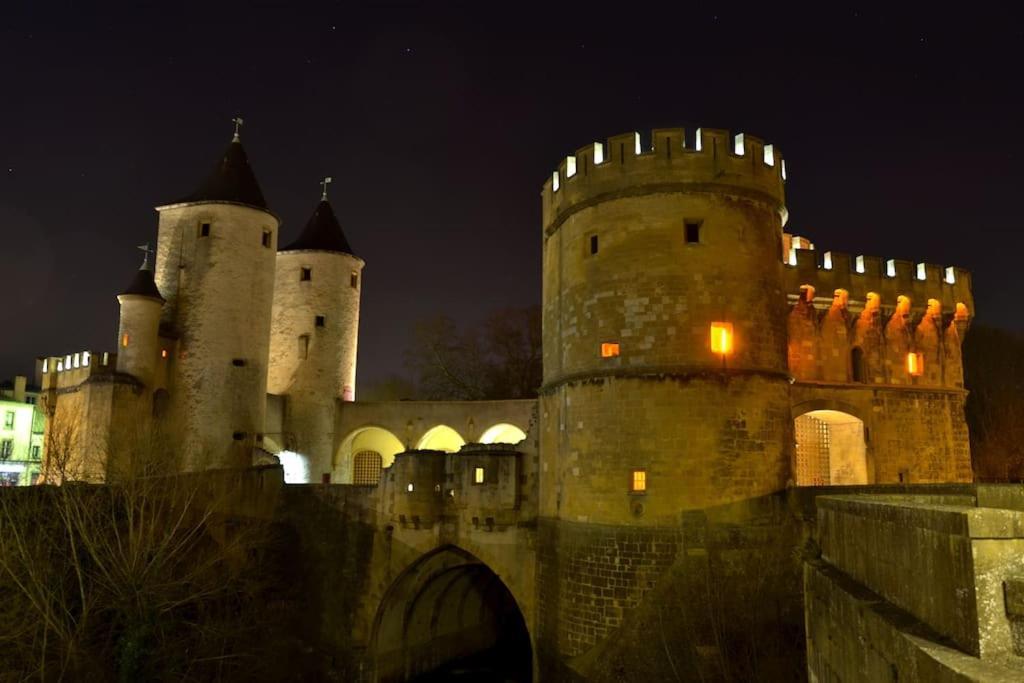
[320, 321]
[305, 274]
[304, 347]
[692, 229]
[479, 475]
[267, 237]
[204, 229]
[638, 482]
[238, 362]
[593, 244]
[124, 340]
[354, 280]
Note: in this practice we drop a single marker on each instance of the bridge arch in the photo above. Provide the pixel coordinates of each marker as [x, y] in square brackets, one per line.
[503, 432]
[368, 439]
[440, 438]
[449, 612]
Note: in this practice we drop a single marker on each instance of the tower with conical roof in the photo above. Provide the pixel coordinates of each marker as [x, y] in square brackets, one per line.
[138, 335]
[314, 334]
[215, 268]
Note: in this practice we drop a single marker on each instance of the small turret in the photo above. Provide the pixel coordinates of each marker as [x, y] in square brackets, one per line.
[138, 333]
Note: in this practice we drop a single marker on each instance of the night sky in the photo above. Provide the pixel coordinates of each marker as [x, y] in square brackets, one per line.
[901, 134]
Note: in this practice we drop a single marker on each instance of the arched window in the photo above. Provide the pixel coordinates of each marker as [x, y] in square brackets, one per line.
[366, 466]
[860, 373]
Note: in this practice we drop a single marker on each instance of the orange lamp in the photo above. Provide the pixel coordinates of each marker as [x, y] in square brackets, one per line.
[915, 364]
[609, 350]
[721, 338]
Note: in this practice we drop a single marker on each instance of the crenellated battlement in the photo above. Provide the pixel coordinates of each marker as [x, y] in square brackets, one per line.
[889, 278]
[710, 160]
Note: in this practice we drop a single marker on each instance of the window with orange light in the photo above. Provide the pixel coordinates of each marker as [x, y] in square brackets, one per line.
[124, 340]
[609, 349]
[721, 338]
[163, 353]
[638, 482]
[915, 364]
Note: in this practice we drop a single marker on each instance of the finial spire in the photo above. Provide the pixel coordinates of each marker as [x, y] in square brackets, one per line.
[238, 125]
[324, 183]
[148, 251]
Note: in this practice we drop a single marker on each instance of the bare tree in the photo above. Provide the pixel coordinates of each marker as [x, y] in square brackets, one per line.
[994, 375]
[498, 359]
[150, 577]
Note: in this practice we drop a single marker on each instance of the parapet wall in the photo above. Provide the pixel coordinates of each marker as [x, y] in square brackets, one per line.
[889, 278]
[713, 160]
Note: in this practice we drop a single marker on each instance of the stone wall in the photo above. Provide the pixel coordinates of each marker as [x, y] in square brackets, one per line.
[914, 590]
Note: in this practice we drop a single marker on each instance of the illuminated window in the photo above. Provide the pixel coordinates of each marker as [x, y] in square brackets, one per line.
[67, 361]
[46, 365]
[721, 338]
[738, 147]
[950, 275]
[692, 231]
[609, 349]
[915, 364]
[76, 361]
[106, 358]
[638, 482]
[60, 366]
[478, 475]
[593, 244]
[366, 467]
[86, 357]
[769, 155]
[124, 340]
[637, 149]
[204, 229]
[163, 353]
[598, 153]
[320, 321]
[890, 268]
[353, 280]
[305, 274]
[921, 275]
[826, 260]
[698, 142]
[554, 181]
[410, 488]
[859, 264]
[570, 167]
[267, 236]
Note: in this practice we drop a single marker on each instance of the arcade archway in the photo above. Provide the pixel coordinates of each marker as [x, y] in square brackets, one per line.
[830, 449]
[503, 433]
[449, 615]
[362, 442]
[441, 438]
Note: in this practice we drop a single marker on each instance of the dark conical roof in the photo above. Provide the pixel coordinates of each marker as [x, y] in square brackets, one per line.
[142, 284]
[232, 180]
[322, 232]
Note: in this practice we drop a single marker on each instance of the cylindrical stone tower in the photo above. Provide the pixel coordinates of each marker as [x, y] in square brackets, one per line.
[138, 334]
[215, 267]
[644, 249]
[314, 335]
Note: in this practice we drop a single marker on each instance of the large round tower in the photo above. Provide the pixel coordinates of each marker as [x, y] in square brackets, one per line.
[645, 250]
[314, 335]
[215, 267]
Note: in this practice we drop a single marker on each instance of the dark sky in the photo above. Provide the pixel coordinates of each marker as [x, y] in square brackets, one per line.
[901, 134]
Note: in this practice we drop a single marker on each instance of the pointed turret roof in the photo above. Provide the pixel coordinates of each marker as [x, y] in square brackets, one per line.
[232, 180]
[322, 233]
[143, 284]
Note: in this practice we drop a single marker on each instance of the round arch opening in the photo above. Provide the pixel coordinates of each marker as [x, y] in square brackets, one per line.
[830, 449]
[369, 445]
[448, 616]
[441, 438]
[503, 433]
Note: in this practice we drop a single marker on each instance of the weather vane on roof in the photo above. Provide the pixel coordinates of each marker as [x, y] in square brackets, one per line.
[148, 251]
[238, 125]
[324, 183]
